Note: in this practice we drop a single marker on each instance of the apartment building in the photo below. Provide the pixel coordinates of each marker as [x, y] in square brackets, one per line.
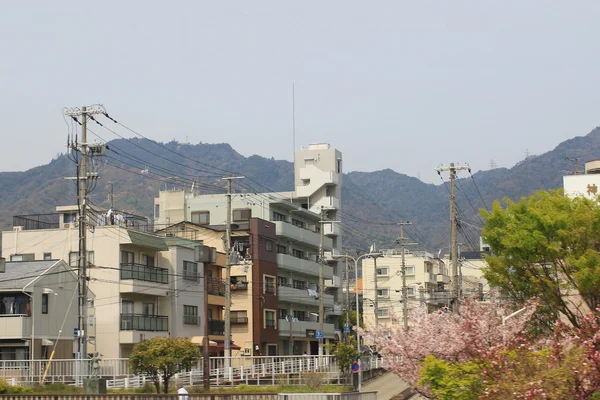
[145, 285]
[274, 303]
[427, 282]
[36, 298]
[297, 220]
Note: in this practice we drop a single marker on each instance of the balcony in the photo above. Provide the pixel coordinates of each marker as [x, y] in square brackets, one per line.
[330, 256]
[15, 326]
[299, 329]
[299, 296]
[337, 310]
[216, 286]
[302, 235]
[443, 278]
[333, 229]
[216, 327]
[334, 282]
[147, 323]
[138, 278]
[300, 265]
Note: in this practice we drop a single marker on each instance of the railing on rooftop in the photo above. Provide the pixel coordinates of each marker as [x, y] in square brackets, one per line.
[37, 221]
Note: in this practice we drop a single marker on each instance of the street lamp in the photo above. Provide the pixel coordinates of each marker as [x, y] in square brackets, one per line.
[356, 260]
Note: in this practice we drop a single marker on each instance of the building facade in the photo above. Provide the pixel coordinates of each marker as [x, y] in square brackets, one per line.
[427, 282]
[142, 282]
[36, 301]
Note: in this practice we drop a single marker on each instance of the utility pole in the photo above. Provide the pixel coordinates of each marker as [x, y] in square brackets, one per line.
[403, 245]
[112, 197]
[321, 273]
[453, 244]
[321, 281]
[82, 187]
[205, 339]
[347, 295]
[228, 280]
[376, 299]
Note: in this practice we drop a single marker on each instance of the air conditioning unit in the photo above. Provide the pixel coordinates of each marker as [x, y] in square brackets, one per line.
[246, 352]
[17, 228]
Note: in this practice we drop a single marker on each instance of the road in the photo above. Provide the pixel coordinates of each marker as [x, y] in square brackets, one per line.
[386, 386]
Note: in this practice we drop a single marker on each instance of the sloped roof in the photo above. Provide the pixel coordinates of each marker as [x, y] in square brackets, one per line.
[20, 273]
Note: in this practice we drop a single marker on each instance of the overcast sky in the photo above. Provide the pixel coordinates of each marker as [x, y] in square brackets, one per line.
[398, 84]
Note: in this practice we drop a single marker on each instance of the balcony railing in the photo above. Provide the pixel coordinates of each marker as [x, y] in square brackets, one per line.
[216, 327]
[140, 322]
[144, 273]
[239, 320]
[216, 286]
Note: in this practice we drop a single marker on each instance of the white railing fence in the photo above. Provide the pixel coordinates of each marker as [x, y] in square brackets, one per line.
[249, 370]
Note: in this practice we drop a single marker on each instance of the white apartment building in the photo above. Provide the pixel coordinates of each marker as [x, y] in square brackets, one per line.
[144, 285]
[296, 216]
[427, 281]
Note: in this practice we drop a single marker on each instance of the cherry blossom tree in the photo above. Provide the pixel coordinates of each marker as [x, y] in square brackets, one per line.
[474, 334]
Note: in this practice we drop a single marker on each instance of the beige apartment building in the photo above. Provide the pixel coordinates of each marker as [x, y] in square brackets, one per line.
[427, 282]
[145, 285]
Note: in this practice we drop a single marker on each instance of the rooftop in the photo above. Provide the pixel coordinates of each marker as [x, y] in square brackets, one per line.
[21, 273]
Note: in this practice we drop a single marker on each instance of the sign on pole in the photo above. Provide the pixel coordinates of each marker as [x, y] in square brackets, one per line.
[355, 367]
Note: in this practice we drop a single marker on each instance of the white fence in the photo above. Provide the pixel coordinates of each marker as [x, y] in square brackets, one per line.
[248, 370]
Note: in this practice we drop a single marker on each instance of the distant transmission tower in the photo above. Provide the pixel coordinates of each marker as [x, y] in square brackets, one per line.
[493, 164]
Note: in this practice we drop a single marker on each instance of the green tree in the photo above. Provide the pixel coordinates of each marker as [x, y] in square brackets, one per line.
[345, 354]
[352, 319]
[546, 246]
[452, 381]
[163, 357]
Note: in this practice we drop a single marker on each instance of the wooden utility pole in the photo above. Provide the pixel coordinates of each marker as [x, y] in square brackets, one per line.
[321, 281]
[376, 296]
[453, 243]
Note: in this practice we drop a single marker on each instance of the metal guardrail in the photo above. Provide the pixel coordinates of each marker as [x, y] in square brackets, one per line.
[148, 323]
[142, 396]
[328, 396]
[144, 273]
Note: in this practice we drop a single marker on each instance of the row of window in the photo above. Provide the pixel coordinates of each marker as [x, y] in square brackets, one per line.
[385, 292]
[385, 271]
[238, 215]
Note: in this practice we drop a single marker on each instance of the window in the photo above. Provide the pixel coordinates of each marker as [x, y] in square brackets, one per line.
[270, 319]
[22, 257]
[269, 282]
[190, 271]
[300, 315]
[299, 284]
[127, 257]
[190, 315]
[339, 166]
[68, 218]
[44, 303]
[271, 350]
[297, 253]
[329, 191]
[148, 308]
[383, 313]
[281, 249]
[74, 258]
[242, 214]
[282, 312]
[126, 307]
[209, 314]
[410, 270]
[383, 271]
[278, 217]
[156, 211]
[384, 293]
[269, 245]
[239, 317]
[148, 260]
[410, 291]
[282, 281]
[298, 223]
[47, 256]
[201, 217]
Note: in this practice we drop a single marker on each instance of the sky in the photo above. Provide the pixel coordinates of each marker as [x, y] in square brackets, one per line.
[392, 84]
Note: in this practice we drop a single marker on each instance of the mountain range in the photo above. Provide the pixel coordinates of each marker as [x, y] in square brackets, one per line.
[372, 202]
